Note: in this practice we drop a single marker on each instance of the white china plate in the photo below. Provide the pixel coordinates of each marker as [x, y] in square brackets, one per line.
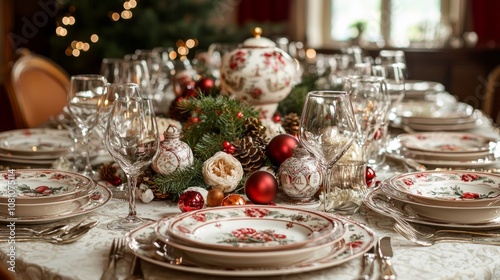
[98, 199]
[36, 141]
[376, 200]
[434, 113]
[358, 239]
[447, 142]
[242, 259]
[42, 185]
[446, 127]
[449, 188]
[450, 214]
[250, 227]
[417, 89]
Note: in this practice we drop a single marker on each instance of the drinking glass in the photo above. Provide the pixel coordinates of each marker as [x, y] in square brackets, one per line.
[83, 98]
[395, 81]
[327, 129]
[132, 140]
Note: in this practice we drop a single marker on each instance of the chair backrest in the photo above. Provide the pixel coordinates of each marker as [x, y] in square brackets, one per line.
[491, 104]
[37, 89]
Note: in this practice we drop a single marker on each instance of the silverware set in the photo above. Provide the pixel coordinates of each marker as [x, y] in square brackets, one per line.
[117, 252]
[60, 234]
[382, 252]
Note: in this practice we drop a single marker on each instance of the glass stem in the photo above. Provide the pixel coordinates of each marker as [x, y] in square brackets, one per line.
[131, 183]
[327, 171]
[86, 141]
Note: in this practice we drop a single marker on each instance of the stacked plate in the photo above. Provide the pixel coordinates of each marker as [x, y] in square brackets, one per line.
[450, 149]
[45, 195]
[251, 240]
[438, 115]
[445, 198]
[34, 146]
[416, 89]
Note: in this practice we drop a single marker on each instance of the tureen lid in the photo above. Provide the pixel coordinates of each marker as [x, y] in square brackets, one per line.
[257, 41]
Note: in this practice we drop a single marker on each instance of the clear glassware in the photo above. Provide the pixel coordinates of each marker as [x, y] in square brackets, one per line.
[327, 130]
[133, 141]
[395, 81]
[83, 98]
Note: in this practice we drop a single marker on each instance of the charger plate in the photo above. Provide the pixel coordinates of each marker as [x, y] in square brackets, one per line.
[250, 227]
[50, 143]
[358, 239]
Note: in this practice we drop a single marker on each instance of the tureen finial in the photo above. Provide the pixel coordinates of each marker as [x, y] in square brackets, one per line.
[256, 32]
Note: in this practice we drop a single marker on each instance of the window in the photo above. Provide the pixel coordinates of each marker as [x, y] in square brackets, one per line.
[395, 23]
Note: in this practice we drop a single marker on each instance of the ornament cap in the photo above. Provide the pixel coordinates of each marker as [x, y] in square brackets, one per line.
[171, 132]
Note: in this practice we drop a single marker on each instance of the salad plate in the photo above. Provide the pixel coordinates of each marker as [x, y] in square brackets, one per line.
[437, 113]
[250, 227]
[418, 89]
[50, 143]
[377, 201]
[42, 185]
[97, 199]
[357, 240]
[449, 188]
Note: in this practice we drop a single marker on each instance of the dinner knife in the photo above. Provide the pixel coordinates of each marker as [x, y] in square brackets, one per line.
[368, 260]
[385, 253]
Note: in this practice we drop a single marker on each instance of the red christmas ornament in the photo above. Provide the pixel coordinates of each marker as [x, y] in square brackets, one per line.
[280, 148]
[190, 201]
[370, 175]
[378, 134]
[116, 181]
[239, 115]
[261, 187]
[189, 92]
[205, 85]
[276, 118]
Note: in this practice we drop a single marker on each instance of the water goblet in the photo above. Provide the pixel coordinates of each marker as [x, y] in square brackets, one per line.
[327, 129]
[83, 99]
[132, 140]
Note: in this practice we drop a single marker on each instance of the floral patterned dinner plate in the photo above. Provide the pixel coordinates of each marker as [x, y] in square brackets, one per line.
[50, 143]
[357, 240]
[42, 185]
[250, 227]
[447, 142]
[458, 188]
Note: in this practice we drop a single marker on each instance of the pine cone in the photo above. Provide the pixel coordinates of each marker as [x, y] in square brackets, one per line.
[108, 171]
[250, 156]
[256, 131]
[147, 177]
[291, 124]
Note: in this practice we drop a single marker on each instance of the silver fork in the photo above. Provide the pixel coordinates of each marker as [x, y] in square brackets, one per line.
[429, 241]
[419, 233]
[116, 252]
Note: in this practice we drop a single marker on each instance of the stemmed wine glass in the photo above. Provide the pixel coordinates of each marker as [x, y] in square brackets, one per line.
[395, 81]
[327, 129]
[132, 140]
[83, 98]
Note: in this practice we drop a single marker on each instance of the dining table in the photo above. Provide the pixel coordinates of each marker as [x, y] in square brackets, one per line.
[87, 258]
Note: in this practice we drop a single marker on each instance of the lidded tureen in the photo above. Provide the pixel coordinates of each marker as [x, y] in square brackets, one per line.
[259, 73]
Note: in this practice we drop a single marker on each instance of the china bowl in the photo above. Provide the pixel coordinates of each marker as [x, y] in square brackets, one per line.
[449, 188]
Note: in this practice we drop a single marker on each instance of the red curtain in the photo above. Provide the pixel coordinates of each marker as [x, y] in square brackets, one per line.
[486, 22]
[263, 11]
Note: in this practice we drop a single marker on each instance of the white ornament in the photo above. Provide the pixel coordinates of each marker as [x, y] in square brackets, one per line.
[144, 193]
[174, 154]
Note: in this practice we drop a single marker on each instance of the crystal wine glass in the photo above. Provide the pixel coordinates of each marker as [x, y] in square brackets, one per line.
[395, 81]
[327, 129]
[132, 140]
[83, 99]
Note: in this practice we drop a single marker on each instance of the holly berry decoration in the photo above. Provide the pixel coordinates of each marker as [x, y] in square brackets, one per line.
[378, 134]
[281, 148]
[228, 147]
[190, 201]
[276, 118]
[370, 176]
[261, 187]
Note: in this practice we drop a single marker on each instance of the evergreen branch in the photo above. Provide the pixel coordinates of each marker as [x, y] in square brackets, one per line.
[178, 181]
[208, 145]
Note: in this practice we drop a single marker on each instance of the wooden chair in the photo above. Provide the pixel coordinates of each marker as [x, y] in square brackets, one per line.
[491, 104]
[37, 89]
